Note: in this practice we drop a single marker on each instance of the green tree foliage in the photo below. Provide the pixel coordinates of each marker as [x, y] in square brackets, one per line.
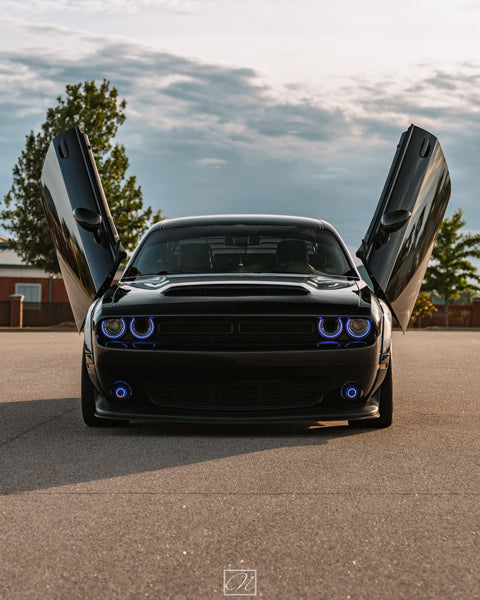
[451, 273]
[98, 111]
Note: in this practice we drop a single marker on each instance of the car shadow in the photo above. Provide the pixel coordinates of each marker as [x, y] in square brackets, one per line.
[44, 444]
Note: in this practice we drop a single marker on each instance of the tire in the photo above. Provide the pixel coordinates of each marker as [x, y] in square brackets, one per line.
[88, 403]
[385, 406]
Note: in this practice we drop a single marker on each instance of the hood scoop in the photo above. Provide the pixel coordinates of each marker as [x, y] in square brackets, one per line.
[235, 290]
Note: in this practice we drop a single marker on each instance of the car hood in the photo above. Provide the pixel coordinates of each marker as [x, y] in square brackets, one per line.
[224, 294]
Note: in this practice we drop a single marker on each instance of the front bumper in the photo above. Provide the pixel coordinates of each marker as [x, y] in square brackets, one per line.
[237, 387]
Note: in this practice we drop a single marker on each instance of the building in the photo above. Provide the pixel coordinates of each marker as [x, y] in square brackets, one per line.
[45, 297]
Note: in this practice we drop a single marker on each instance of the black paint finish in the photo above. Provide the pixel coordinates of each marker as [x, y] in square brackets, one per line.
[242, 318]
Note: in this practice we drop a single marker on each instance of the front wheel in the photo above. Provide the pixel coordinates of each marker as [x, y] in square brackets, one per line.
[385, 406]
[88, 403]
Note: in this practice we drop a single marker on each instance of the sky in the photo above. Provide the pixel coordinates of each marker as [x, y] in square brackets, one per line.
[236, 106]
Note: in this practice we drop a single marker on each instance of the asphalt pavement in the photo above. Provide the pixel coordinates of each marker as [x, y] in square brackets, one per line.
[177, 512]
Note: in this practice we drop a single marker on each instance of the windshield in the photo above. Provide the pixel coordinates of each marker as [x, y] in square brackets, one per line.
[241, 249]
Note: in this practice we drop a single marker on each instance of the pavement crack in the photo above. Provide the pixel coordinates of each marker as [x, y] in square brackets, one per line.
[34, 427]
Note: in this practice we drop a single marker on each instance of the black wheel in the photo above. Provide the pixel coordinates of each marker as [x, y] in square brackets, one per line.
[88, 403]
[385, 406]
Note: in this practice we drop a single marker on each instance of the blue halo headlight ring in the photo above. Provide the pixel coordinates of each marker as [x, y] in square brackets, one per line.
[332, 332]
[358, 329]
[142, 335]
[350, 391]
[113, 328]
[122, 391]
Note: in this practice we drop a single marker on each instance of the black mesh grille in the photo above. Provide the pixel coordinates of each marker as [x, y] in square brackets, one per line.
[235, 395]
[192, 325]
[236, 333]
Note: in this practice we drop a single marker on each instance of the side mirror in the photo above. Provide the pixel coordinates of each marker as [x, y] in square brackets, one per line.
[389, 223]
[90, 221]
[395, 220]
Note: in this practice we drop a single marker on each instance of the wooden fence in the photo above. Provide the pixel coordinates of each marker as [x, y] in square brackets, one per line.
[459, 315]
[38, 314]
[4, 313]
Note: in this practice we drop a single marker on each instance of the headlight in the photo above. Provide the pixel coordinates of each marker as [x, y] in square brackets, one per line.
[113, 328]
[142, 327]
[359, 328]
[330, 327]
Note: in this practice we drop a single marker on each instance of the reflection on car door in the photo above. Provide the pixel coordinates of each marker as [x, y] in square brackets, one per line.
[400, 239]
[87, 244]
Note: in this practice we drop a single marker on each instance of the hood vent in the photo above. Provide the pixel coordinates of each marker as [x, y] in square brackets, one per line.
[235, 290]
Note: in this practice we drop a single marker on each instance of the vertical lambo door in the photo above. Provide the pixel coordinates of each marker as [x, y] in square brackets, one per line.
[87, 244]
[400, 239]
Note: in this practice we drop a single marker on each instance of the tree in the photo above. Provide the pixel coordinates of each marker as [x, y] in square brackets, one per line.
[99, 112]
[451, 272]
[424, 307]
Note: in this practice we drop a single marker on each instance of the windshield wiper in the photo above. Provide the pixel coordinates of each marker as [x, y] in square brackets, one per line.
[131, 273]
[169, 273]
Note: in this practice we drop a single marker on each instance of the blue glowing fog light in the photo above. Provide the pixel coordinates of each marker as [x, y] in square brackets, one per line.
[142, 327]
[351, 391]
[358, 329]
[122, 391]
[330, 327]
[113, 328]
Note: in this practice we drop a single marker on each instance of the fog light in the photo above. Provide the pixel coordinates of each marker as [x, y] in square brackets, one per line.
[122, 391]
[350, 391]
[113, 328]
[330, 327]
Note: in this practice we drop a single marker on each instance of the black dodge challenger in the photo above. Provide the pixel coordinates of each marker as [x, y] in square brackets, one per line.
[242, 318]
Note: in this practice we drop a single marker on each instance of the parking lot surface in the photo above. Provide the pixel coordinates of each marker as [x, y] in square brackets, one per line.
[168, 511]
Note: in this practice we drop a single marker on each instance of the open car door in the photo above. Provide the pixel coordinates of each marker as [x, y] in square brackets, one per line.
[86, 240]
[400, 239]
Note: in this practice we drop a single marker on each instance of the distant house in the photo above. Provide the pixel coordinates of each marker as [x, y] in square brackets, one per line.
[35, 285]
[45, 298]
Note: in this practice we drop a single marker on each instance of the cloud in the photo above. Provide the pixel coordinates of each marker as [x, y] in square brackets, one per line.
[205, 138]
[98, 6]
[215, 163]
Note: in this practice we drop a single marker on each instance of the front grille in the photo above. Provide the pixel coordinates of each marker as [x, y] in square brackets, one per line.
[284, 326]
[235, 395]
[189, 326]
[236, 333]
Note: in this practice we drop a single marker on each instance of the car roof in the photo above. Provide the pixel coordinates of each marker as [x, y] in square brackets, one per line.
[245, 219]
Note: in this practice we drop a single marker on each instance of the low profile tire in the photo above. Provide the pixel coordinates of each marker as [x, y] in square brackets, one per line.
[88, 403]
[385, 406]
